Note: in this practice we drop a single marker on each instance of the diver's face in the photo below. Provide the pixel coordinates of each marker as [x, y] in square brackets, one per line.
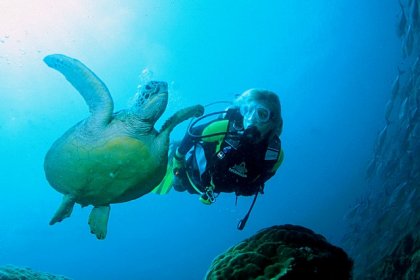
[257, 115]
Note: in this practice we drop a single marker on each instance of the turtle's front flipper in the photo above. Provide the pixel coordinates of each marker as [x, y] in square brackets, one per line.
[180, 116]
[92, 89]
[98, 221]
[65, 209]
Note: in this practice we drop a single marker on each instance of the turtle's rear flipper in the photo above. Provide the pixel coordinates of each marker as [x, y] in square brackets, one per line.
[65, 209]
[98, 221]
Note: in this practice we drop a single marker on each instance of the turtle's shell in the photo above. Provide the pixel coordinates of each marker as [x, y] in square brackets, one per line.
[109, 168]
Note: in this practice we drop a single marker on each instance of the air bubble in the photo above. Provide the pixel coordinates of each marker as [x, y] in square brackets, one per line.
[145, 76]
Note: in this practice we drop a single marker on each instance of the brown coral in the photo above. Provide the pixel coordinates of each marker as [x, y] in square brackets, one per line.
[10, 272]
[282, 252]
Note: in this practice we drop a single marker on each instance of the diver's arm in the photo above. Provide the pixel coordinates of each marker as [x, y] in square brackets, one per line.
[270, 173]
[188, 141]
[217, 128]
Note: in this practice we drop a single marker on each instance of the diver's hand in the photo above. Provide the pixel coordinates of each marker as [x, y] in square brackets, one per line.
[178, 165]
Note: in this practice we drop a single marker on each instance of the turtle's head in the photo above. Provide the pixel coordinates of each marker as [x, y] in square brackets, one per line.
[152, 101]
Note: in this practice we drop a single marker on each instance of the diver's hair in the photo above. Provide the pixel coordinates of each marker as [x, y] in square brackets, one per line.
[269, 99]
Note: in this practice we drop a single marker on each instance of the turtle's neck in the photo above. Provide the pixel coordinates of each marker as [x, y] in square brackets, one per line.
[135, 123]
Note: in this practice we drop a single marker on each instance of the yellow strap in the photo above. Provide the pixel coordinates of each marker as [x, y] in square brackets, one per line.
[166, 184]
[193, 185]
[279, 161]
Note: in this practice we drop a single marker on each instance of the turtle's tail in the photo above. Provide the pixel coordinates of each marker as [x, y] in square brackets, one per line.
[180, 116]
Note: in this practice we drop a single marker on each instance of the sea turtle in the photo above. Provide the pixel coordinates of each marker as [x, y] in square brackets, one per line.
[109, 157]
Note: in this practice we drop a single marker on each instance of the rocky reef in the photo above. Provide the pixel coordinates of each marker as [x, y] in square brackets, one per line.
[282, 252]
[10, 272]
[386, 218]
[402, 263]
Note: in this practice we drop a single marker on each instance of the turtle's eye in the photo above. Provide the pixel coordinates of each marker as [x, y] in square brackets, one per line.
[147, 87]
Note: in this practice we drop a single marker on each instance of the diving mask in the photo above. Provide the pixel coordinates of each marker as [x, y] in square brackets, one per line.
[254, 113]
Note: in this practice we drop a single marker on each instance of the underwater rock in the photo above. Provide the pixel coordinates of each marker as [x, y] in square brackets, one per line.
[385, 225]
[402, 263]
[11, 272]
[402, 23]
[282, 252]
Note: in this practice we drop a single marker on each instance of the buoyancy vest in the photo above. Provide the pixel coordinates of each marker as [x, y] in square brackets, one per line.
[233, 163]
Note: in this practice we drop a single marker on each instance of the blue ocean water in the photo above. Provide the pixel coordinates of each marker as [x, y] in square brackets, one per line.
[332, 65]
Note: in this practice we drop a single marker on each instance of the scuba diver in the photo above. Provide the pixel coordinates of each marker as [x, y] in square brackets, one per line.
[235, 153]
